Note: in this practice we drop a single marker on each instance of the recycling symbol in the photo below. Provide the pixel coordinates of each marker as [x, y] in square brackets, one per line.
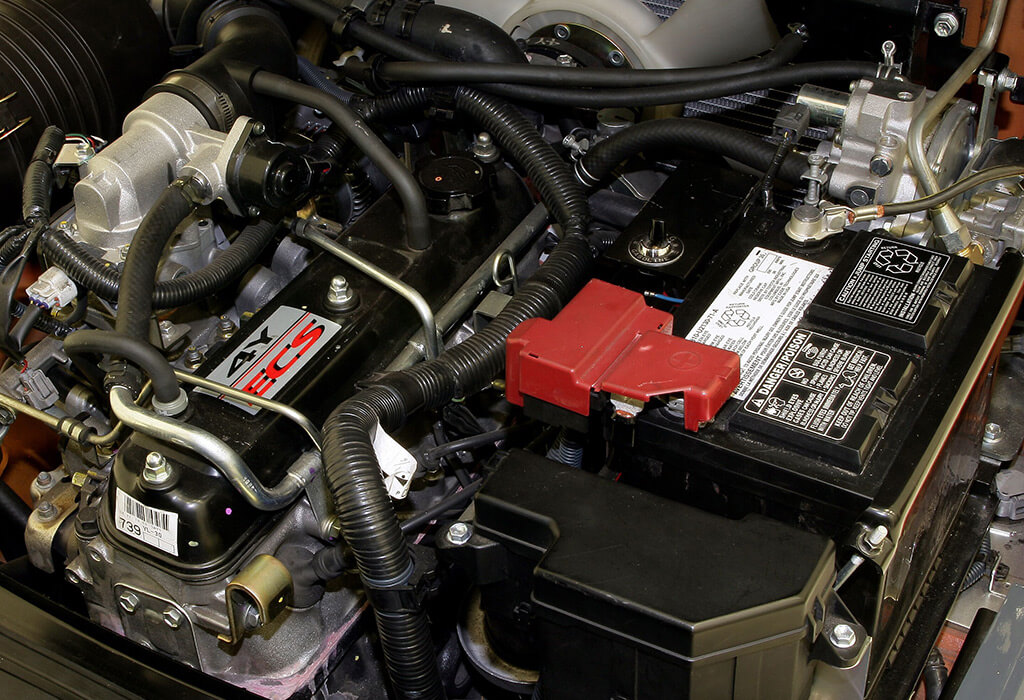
[895, 260]
[735, 317]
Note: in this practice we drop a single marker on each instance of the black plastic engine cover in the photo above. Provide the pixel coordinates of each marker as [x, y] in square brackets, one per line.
[315, 367]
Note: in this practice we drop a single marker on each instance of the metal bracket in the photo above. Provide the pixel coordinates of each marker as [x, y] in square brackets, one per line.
[255, 596]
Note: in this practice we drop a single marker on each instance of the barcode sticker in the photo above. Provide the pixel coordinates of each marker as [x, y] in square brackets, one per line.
[155, 527]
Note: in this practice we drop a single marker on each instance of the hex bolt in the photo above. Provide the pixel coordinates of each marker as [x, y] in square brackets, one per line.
[44, 479]
[484, 148]
[877, 536]
[225, 327]
[258, 128]
[123, 251]
[253, 210]
[47, 511]
[564, 59]
[842, 636]
[459, 533]
[815, 163]
[905, 95]
[157, 471]
[193, 357]
[129, 602]
[562, 32]
[616, 58]
[676, 407]
[946, 24]
[881, 164]
[173, 618]
[993, 432]
[340, 296]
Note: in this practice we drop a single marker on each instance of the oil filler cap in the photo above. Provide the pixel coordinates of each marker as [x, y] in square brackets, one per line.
[608, 341]
[452, 183]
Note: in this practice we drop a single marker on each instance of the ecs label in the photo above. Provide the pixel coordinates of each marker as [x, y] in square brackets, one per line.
[273, 354]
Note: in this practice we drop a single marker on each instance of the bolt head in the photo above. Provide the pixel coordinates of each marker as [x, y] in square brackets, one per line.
[47, 511]
[253, 210]
[259, 128]
[842, 636]
[993, 432]
[128, 601]
[564, 59]
[881, 165]
[173, 618]
[157, 471]
[71, 576]
[562, 32]
[877, 536]
[44, 479]
[616, 58]
[459, 533]
[905, 95]
[946, 24]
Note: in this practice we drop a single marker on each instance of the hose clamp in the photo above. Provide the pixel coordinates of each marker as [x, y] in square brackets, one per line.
[404, 593]
[344, 18]
[171, 408]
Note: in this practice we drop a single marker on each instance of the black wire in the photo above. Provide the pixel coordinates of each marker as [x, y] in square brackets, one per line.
[434, 454]
[435, 511]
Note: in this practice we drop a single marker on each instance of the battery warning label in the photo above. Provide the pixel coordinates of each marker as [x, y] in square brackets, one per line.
[818, 384]
[273, 354]
[893, 279]
[757, 309]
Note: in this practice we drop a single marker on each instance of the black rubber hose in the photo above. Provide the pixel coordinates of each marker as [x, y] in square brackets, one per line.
[38, 185]
[368, 521]
[453, 33]
[14, 514]
[660, 135]
[528, 74]
[138, 279]
[435, 511]
[104, 280]
[934, 675]
[139, 353]
[685, 92]
[414, 202]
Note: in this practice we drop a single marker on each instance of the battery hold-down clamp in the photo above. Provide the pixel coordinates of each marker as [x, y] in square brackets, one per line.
[608, 341]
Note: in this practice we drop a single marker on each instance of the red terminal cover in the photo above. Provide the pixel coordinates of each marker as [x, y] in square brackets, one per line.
[608, 339]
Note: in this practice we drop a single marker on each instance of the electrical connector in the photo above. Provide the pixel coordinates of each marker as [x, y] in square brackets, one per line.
[53, 290]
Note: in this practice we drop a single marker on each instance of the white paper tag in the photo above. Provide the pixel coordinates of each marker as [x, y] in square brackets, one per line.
[756, 310]
[155, 527]
[397, 465]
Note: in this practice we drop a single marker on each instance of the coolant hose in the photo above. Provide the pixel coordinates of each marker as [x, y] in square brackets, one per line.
[423, 72]
[165, 385]
[38, 185]
[657, 135]
[368, 521]
[649, 96]
[138, 279]
[103, 279]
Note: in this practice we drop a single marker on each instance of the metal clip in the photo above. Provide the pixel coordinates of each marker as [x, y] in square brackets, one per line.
[505, 256]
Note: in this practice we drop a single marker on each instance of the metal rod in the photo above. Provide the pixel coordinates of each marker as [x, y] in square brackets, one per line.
[285, 410]
[217, 452]
[306, 229]
[464, 298]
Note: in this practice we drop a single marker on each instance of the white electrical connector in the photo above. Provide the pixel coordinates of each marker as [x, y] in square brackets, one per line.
[53, 290]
